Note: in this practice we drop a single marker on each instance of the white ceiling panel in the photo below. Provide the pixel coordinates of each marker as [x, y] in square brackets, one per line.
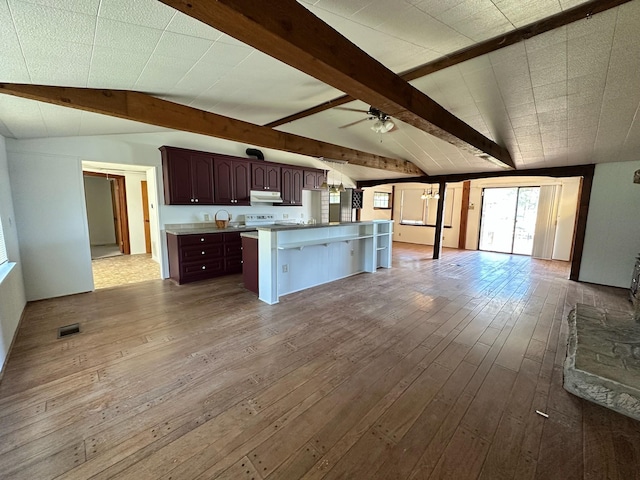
[148, 13]
[564, 97]
[47, 23]
[126, 37]
[57, 63]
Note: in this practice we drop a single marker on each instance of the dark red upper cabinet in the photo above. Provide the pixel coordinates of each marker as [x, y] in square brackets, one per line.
[188, 176]
[292, 179]
[232, 180]
[265, 176]
[313, 179]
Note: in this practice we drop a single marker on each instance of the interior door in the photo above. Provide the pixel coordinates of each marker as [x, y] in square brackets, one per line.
[145, 214]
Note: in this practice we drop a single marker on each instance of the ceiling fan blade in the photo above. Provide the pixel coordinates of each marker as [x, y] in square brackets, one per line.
[352, 110]
[354, 123]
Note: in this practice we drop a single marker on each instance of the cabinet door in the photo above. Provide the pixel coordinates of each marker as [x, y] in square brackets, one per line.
[321, 177]
[265, 177]
[241, 182]
[202, 179]
[223, 181]
[176, 169]
[292, 179]
[273, 178]
[310, 181]
[259, 179]
[296, 187]
[287, 182]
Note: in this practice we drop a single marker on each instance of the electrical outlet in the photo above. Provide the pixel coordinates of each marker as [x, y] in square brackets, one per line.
[352, 253]
[302, 215]
[285, 268]
[285, 216]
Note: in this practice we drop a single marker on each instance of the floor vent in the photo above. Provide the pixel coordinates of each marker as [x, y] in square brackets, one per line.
[68, 330]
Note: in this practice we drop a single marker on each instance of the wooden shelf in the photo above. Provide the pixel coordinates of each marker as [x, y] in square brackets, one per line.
[324, 241]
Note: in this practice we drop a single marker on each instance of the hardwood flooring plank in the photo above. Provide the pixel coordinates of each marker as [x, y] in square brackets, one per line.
[463, 457]
[426, 370]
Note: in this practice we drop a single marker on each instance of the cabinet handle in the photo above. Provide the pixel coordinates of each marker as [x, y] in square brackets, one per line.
[202, 239]
[196, 200]
[202, 253]
[204, 268]
[192, 200]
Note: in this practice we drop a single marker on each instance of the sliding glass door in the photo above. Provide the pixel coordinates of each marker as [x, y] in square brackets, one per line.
[508, 219]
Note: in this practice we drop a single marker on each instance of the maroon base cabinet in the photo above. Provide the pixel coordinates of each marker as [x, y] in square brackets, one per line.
[250, 264]
[199, 257]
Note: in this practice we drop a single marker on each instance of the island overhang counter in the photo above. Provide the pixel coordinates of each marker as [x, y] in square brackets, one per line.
[296, 257]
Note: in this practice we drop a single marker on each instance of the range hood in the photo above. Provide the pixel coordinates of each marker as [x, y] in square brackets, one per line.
[260, 196]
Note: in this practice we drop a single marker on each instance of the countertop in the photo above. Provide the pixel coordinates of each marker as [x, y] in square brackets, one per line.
[191, 229]
[200, 229]
[283, 227]
[253, 235]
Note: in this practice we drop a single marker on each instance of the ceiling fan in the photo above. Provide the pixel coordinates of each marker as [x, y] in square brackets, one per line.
[382, 124]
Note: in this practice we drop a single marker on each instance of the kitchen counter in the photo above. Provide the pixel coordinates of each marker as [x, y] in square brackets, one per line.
[200, 228]
[253, 234]
[296, 257]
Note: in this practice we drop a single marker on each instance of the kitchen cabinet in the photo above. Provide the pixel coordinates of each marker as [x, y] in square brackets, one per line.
[188, 177]
[232, 180]
[292, 179]
[313, 179]
[250, 264]
[265, 176]
[199, 257]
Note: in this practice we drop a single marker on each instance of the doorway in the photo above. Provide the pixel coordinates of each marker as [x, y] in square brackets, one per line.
[106, 200]
[122, 219]
[508, 219]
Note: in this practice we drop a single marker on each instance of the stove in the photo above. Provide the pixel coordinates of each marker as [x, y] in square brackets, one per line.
[260, 219]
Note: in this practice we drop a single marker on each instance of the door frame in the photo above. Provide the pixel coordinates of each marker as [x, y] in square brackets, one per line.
[119, 204]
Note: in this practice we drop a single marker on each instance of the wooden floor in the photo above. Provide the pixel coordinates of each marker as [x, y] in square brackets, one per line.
[431, 369]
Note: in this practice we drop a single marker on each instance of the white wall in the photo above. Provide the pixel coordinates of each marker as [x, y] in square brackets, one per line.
[99, 204]
[612, 239]
[370, 213]
[54, 166]
[12, 296]
[48, 197]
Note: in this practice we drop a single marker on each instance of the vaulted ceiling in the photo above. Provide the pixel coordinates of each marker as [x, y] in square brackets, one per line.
[564, 97]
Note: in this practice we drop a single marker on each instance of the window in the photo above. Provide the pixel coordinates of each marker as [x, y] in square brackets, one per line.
[334, 197]
[414, 210]
[382, 200]
[3, 248]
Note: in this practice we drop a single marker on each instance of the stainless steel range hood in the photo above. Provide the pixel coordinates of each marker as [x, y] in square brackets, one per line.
[262, 197]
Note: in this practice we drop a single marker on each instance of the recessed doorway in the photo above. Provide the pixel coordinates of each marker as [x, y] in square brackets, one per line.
[121, 219]
[508, 220]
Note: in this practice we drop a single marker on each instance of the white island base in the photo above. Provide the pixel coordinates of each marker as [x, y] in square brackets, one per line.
[294, 258]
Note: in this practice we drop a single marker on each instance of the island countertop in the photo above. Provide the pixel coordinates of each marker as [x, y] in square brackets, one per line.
[303, 226]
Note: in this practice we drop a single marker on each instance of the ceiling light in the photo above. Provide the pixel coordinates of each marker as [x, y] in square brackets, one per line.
[382, 126]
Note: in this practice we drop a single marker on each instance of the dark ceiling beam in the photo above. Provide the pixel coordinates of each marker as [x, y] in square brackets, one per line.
[288, 32]
[561, 19]
[555, 172]
[144, 108]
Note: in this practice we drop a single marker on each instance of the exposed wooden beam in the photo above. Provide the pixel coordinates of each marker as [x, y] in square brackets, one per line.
[556, 172]
[144, 108]
[289, 32]
[561, 19]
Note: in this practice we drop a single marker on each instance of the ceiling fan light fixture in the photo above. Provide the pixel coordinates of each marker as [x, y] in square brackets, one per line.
[382, 126]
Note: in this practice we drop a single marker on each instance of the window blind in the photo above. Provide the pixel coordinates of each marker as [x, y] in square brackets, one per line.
[413, 208]
[3, 248]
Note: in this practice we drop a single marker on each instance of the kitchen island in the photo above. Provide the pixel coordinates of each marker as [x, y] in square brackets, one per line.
[296, 257]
